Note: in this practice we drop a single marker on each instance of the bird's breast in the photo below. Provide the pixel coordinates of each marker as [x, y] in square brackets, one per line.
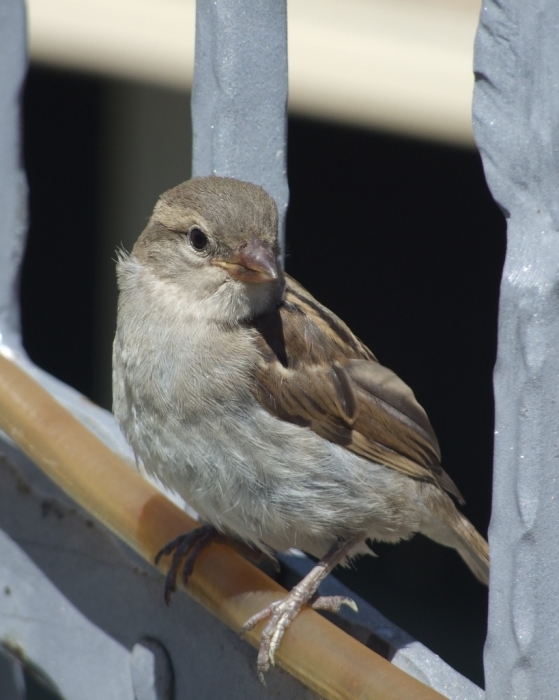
[170, 357]
[182, 394]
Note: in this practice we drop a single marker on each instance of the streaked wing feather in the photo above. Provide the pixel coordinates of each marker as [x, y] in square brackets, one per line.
[317, 374]
[396, 396]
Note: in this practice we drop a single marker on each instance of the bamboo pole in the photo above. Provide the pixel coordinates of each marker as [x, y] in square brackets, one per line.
[315, 651]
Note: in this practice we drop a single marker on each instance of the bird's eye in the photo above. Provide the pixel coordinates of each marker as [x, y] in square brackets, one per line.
[198, 239]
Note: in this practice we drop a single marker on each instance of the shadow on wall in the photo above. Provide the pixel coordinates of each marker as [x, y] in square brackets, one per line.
[400, 238]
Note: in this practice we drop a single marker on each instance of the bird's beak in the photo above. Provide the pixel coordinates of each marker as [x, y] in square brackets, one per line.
[251, 262]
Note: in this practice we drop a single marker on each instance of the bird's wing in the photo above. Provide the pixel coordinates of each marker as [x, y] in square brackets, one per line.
[315, 373]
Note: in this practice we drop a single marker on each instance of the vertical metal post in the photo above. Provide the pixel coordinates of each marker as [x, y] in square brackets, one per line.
[239, 98]
[13, 190]
[13, 222]
[516, 122]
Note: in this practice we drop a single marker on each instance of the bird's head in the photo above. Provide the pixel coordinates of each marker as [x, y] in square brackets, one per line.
[217, 238]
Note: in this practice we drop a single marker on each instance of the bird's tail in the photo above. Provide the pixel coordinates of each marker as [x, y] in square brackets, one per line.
[458, 532]
[473, 549]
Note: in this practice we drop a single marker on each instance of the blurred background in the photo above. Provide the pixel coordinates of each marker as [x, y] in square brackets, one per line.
[390, 224]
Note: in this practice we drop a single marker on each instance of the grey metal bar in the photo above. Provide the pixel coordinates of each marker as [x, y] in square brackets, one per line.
[12, 681]
[239, 97]
[13, 189]
[516, 108]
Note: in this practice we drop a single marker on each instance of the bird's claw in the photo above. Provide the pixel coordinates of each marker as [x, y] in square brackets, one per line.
[333, 603]
[281, 614]
[185, 549]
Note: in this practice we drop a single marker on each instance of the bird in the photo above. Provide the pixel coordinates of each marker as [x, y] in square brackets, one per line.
[257, 405]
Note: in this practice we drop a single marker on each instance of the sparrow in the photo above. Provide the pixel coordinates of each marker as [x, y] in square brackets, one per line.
[257, 405]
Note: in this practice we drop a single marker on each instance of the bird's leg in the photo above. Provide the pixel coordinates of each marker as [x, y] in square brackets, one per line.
[187, 548]
[283, 612]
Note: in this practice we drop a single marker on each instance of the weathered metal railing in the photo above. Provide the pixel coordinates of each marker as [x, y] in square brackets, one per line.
[85, 609]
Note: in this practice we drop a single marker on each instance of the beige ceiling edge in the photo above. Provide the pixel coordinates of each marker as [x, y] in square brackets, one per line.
[400, 65]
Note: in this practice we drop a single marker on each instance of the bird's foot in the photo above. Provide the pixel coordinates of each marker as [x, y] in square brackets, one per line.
[186, 549]
[281, 613]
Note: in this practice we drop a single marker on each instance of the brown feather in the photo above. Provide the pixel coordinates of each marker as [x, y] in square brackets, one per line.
[315, 373]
